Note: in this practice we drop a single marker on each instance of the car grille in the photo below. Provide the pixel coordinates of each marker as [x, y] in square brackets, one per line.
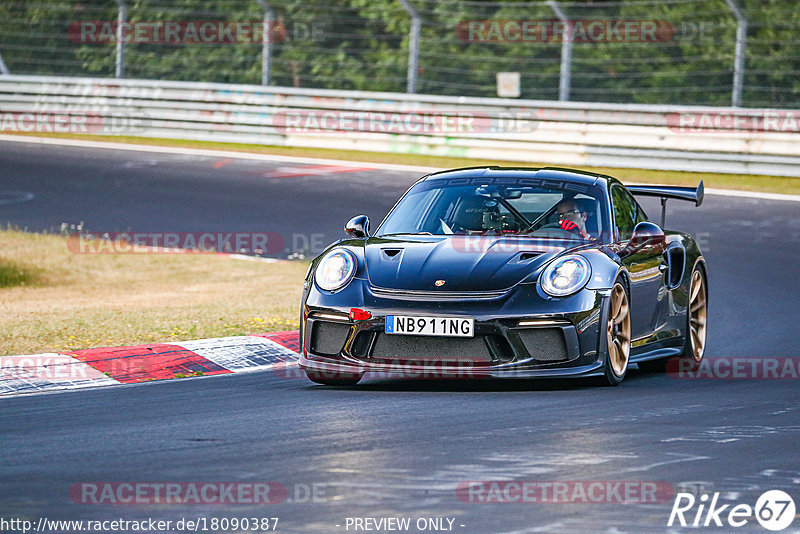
[426, 350]
[544, 344]
[328, 338]
[427, 296]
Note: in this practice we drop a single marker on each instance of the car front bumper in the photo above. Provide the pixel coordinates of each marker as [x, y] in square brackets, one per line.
[522, 333]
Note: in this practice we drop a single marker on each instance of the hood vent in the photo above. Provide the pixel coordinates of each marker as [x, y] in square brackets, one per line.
[391, 254]
[525, 256]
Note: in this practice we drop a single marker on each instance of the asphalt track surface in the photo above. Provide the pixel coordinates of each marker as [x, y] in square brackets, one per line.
[393, 448]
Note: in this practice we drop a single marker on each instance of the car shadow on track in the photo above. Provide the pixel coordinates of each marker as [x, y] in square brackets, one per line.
[483, 385]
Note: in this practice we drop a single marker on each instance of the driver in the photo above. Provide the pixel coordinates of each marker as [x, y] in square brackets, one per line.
[572, 218]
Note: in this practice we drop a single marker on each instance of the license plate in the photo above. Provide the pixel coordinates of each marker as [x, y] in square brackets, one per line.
[430, 326]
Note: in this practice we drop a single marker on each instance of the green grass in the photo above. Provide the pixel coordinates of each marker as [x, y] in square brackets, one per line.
[743, 182]
[13, 274]
[53, 299]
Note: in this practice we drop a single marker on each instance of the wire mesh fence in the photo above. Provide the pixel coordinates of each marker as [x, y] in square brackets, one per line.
[707, 52]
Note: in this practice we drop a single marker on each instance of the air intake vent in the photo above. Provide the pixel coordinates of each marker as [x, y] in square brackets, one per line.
[391, 253]
[424, 350]
[328, 338]
[544, 344]
[525, 256]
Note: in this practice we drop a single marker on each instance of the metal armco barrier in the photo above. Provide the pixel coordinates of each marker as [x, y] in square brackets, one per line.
[724, 140]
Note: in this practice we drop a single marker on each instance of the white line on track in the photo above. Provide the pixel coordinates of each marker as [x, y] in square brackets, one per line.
[306, 160]
[210, 153]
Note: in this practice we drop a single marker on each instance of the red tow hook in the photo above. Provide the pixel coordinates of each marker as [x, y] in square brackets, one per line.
[357, 314]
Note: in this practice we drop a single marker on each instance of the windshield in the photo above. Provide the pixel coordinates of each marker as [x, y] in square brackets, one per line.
[563, 210]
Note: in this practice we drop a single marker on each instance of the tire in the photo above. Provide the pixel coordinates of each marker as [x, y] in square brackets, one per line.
[618, 336]
[333, 379]
[694, 343]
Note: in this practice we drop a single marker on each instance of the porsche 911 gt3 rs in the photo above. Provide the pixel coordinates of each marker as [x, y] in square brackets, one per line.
[507, 272]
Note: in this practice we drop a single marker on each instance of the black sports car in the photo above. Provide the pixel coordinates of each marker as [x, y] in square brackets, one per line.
[506, 272]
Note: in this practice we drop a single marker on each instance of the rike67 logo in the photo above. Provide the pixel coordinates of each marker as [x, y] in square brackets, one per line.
[774, 510]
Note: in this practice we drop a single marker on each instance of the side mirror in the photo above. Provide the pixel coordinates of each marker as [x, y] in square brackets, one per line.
[357, 227]
[647, 235]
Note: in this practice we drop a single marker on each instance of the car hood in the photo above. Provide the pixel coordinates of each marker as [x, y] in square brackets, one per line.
[463, 263]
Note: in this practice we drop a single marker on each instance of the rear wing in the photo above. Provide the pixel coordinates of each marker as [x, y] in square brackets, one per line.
[666, 192]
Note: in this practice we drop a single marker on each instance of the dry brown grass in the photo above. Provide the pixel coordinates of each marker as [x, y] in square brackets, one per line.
[52, 299]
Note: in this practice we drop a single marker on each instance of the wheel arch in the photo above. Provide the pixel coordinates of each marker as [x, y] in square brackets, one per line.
[605, 271]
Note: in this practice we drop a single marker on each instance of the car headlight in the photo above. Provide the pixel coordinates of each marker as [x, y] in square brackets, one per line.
[565, 276]
[336, 269]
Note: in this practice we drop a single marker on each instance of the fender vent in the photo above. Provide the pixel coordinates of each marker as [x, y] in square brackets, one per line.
[676, 263]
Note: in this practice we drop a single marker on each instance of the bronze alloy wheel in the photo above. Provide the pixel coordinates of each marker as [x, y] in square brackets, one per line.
[619, 330]
[698, 308]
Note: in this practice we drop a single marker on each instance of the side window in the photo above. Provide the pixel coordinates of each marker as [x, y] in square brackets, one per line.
[641, 216]
[626, 212]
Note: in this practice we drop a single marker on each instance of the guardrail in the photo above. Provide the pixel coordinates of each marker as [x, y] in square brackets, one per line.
[727, 140]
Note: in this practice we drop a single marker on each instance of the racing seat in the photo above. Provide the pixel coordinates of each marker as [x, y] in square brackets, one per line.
[469, 214]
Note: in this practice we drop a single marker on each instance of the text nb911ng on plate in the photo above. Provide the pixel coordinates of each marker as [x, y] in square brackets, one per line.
[430, 326]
